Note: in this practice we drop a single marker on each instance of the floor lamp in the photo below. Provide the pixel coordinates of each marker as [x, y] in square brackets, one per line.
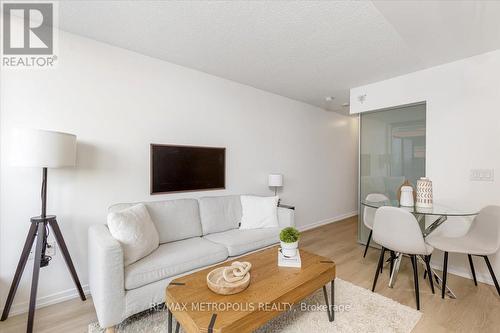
[41, 149]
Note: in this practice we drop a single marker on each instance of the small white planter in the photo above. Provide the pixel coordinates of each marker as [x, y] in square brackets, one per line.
[289, 249]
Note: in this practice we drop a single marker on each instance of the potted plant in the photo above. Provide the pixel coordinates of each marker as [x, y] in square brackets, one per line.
[289, 238]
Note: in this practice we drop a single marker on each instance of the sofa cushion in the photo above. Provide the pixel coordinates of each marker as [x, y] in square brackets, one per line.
[220, 213]
[135, 231]
[259, 212]
[172, 259]
[239, 241]
[174, 219]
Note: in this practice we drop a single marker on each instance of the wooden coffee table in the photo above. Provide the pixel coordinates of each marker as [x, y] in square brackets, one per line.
[272, 291]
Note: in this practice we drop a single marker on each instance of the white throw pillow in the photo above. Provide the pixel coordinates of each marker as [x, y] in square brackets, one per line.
[135, 231]
[259, 212]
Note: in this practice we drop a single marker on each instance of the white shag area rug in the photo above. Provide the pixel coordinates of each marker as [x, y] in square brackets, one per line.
[357, 310]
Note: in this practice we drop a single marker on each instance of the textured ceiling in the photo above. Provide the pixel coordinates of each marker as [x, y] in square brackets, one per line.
[303, 50]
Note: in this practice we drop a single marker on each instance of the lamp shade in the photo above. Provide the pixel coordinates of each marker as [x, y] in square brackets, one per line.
[275, 180]
[41, 148]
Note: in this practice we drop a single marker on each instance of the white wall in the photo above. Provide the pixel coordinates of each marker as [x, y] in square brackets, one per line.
[463, 126]
[118, 102]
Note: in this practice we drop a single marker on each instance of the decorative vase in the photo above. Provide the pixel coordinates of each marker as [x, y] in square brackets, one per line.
[424, 193]
[289, 249]
[406, 199]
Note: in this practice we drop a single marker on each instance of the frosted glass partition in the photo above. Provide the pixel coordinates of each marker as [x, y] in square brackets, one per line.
[392, 149]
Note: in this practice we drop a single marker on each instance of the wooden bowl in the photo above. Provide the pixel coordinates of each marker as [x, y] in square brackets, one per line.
[224, 287]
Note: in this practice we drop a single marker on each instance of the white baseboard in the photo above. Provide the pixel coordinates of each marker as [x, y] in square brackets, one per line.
[65, 295]
[22, 307]
[327, 221]
[480, 276]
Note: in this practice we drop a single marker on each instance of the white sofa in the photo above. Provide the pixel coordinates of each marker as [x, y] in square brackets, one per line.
[194, 233]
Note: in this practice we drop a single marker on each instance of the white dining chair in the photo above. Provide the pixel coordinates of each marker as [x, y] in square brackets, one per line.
[396, 229]
[482, 240]
[369, 215]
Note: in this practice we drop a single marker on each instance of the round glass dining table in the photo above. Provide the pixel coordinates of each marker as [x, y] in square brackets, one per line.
[439, 213]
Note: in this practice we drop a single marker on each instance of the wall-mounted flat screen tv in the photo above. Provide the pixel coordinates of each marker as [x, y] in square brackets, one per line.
[187, 168]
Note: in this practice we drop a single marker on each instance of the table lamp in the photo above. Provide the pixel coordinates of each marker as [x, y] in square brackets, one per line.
[41, 149]
[275, 180]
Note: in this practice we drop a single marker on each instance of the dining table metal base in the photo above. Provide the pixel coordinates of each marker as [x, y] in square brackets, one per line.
[438, 282]
[433, 225]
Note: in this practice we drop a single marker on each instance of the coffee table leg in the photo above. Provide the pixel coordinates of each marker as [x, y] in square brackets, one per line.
[330, 310]
[169, 321]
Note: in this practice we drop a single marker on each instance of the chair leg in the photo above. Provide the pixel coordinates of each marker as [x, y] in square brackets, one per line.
[472, 269]
[368, 243]
[428, 269]
[415, 278]
[445, 272]
[425, 273]
[393, 257]
[380, 263]
[492, 274]
[382, 266]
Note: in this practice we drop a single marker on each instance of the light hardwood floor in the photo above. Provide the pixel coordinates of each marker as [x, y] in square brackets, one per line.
[477, 309]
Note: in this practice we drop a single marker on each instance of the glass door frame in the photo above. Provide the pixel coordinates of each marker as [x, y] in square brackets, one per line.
[360, 222]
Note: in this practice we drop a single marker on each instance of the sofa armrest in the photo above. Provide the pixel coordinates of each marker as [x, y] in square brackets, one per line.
[106, 275]
[286, 217]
